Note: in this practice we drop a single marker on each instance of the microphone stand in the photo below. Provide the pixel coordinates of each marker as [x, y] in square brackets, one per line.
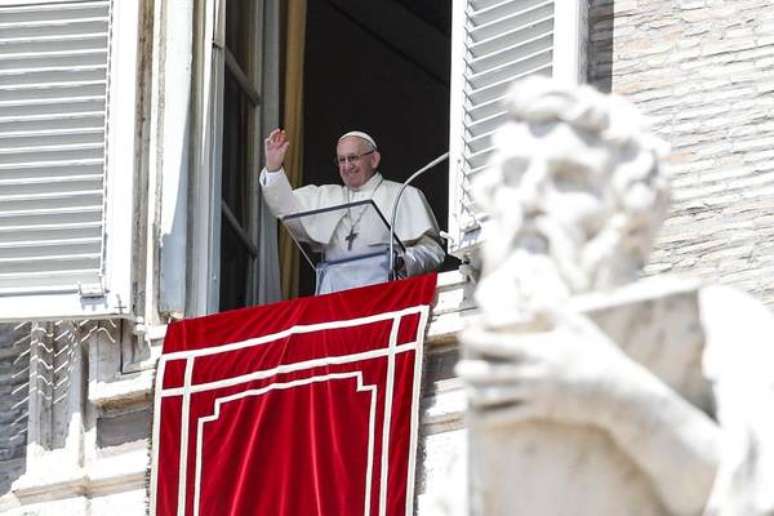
[396, 203]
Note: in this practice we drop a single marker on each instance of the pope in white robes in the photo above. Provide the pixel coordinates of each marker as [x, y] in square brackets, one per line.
[356, 231]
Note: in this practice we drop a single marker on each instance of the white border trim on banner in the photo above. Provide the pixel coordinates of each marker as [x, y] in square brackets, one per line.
[185, 417]
[188, 389]
[387, 419]
[293, 330]
[358, 375]
[155, 444]
[289, 368]
[424, 315]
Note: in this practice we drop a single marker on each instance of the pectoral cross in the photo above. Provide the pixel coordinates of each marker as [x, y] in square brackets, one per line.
[351, 238]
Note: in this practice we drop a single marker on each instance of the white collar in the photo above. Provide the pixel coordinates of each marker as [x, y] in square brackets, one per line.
[373, 182]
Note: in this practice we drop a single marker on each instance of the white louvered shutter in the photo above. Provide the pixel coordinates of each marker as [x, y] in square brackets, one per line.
[54, 71]
[495, 43]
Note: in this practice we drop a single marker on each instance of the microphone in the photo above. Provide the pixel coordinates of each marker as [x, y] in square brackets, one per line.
[396, 203]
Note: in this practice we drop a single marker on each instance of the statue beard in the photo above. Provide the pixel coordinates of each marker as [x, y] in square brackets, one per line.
[545, 263]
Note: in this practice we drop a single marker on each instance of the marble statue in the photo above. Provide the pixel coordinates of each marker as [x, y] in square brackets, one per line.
[591, 391]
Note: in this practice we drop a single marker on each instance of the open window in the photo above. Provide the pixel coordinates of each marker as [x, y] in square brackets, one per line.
[380, 66]
[422, 76]
[235, 250]
[67, 146]
[426, 76]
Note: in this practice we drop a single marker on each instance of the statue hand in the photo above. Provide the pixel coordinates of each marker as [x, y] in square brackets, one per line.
[275, 146]
[573, 373]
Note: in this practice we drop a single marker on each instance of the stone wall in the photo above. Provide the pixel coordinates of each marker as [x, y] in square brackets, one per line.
[14, 359]
[703, 70]
[76, 442]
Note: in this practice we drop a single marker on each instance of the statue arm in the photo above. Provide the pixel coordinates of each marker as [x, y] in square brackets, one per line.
[737, 360]
[574, 374]
[673, 442]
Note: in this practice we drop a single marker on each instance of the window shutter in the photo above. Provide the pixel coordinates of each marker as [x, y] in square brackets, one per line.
[54, 78]
[495, 43]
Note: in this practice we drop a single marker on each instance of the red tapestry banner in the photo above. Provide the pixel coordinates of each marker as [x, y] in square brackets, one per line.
[306, 407]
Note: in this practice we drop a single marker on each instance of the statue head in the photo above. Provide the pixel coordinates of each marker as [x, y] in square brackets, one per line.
[574, 187]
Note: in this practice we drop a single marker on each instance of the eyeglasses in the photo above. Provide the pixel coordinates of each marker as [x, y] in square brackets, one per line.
[354, 158]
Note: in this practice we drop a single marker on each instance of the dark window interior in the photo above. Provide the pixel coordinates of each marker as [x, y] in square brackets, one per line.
[381, 66]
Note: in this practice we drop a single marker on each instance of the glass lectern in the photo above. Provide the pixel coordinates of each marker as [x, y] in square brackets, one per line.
[347, 245]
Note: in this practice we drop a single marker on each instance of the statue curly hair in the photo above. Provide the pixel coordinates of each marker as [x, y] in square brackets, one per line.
[575, 178]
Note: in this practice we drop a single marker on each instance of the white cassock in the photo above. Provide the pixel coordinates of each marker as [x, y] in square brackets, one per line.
[332, 232]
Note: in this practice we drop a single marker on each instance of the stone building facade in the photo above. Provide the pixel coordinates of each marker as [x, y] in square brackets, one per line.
[14, 386]
[703, 71]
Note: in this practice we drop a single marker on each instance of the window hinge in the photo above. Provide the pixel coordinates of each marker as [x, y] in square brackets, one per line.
[91, 290]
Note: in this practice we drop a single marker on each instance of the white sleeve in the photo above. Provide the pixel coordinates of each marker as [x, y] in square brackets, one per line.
[424, 256]
[278, 193]
[266, 178]
[281, 200]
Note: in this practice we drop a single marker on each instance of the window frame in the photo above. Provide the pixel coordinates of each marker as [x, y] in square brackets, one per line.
[208, 217]
[247, 82]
